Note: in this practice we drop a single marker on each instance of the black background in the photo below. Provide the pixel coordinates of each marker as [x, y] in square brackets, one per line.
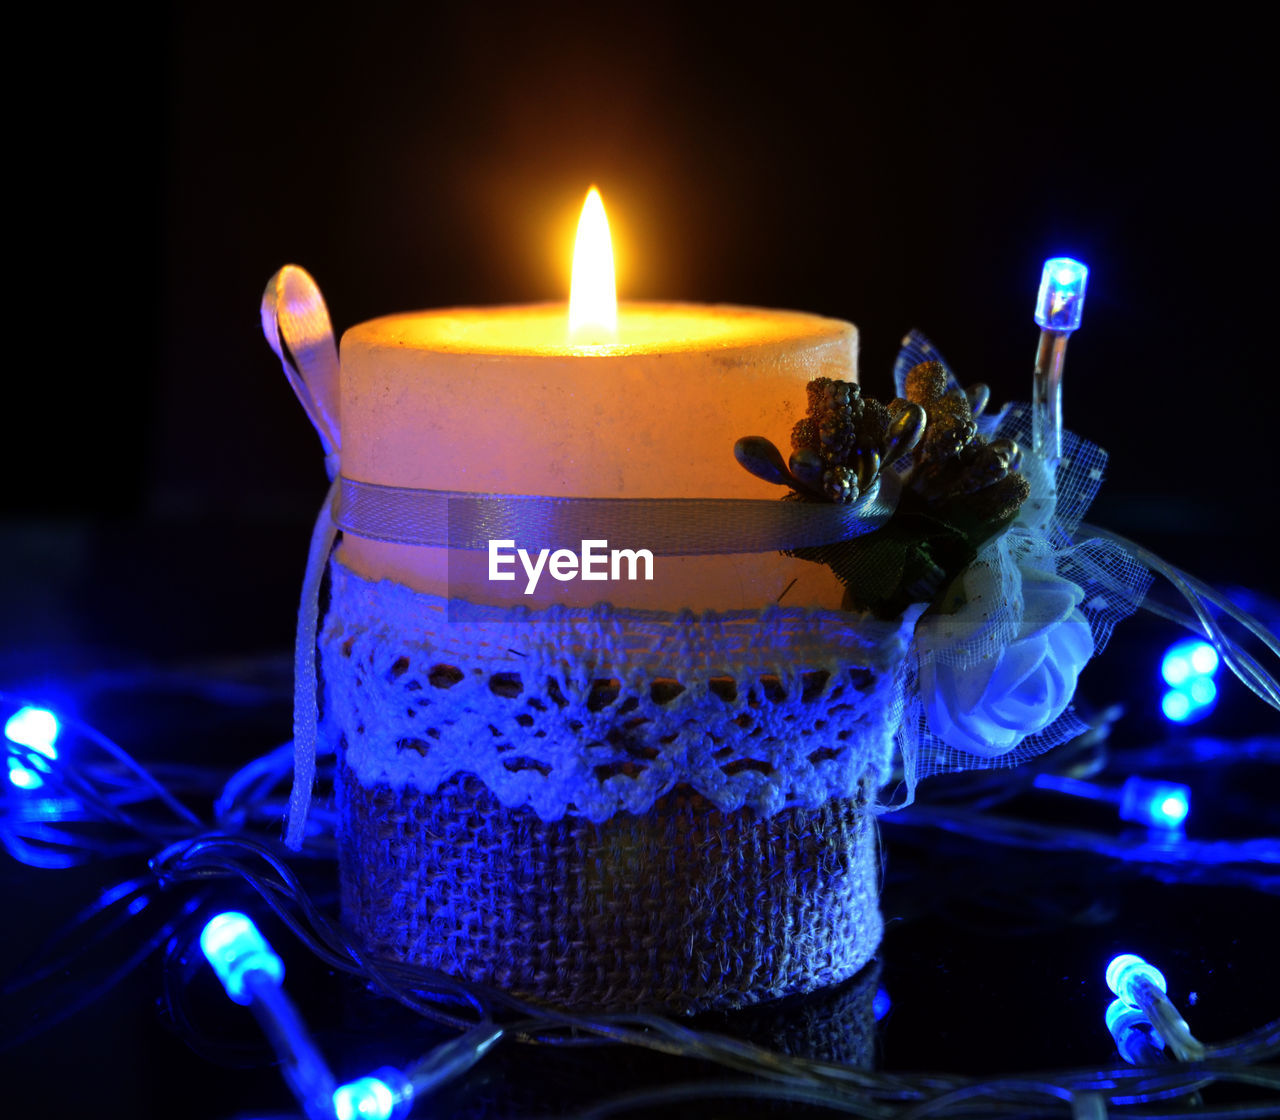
[897, 165]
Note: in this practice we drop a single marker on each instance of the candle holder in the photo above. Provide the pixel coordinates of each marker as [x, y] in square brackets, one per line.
[682, 846]
[598, 807]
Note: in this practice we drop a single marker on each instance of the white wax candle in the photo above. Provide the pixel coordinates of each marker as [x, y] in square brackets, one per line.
[498, 400]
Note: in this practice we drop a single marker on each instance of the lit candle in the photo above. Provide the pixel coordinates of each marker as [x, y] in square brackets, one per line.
[685, 736]
[600, 400]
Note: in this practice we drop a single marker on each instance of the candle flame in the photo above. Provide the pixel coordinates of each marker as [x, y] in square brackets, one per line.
[593, 297]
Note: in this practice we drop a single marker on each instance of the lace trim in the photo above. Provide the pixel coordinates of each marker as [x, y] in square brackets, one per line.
[593, 712]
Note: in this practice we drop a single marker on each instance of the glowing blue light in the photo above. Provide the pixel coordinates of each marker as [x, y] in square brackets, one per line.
[1176, 705]
[1189, 666]
[1132, 1031]
[1124, 972]
[1204, 659]
[36, 728]
[385, 1094]
[1202, 691]
[1187, 660]
[1175, 668]
[232, 944]
[1156, 804]
[880, 1004]
[1060, 304]
[23, 778]
[1118, 1012]
[366, 1099]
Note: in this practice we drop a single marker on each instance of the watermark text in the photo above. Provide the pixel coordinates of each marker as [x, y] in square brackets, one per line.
[593, 561]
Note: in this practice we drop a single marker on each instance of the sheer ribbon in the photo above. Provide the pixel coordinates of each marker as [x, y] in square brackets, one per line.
[665, 526]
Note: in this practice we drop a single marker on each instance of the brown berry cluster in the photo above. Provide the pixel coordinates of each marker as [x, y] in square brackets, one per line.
[953, 464]
[840, 445]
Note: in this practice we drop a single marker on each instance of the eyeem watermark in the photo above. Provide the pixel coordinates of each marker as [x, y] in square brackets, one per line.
[594, 561]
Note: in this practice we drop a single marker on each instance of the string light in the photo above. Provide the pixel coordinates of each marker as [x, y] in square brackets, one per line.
[33, 727]
[1060, 300]
[1156, 804]
[389, 1094]
[1137, 1041]
[1059, 309]
[1162, 805]
[1124, 973]
[373, 1098]
[1188, 667]
[23, 777]
[1187, 660]
[1141, 985]
[36, 729]
[253, 976]
[240, 955]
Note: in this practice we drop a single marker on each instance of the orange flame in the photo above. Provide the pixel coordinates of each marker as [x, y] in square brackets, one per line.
[593, 297]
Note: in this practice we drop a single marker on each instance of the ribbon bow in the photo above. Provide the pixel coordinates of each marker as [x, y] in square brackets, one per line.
[296, 323]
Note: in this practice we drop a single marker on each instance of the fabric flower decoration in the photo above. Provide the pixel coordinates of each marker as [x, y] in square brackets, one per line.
[986, 703]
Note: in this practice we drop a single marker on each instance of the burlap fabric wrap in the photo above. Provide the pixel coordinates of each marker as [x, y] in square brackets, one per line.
[605, 808]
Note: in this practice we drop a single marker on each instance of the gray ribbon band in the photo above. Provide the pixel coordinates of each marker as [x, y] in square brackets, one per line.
[665, 526]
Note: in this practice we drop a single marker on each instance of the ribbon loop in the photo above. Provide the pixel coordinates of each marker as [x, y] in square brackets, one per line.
[296, 323]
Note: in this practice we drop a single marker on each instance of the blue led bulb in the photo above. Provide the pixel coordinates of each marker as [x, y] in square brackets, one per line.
[1190, 701]
[1156, 804]
[1132, 1031]
[36, 728]
[22, 777]
[1120, 1015]
[1204, 659]
[1177, 706]
[1202, 691]
[1125, 970]
[880, 1004]
[386, 1094]
[235, 949]
[1060, 304]
[1188, 660]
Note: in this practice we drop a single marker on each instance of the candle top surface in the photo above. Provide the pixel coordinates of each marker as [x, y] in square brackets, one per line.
[542, 330]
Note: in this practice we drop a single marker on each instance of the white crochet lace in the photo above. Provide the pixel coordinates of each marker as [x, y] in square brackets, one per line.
[603, 710]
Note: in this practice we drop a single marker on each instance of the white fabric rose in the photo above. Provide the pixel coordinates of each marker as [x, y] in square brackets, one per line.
[987, 705]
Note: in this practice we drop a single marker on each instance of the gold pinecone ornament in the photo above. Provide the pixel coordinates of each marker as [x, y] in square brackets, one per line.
[959, 489]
